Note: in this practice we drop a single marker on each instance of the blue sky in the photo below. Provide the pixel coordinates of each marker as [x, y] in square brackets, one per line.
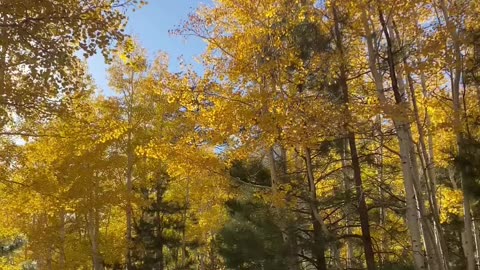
[150, 26]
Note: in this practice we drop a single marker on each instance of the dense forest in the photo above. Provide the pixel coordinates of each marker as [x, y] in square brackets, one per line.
[317, 134]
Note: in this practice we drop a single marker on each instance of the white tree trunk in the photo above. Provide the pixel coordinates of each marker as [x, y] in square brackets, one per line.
[468, 239]
[477, 240]
[403, 136]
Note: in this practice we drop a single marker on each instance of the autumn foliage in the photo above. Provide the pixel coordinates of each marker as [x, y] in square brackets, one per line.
[317, 135]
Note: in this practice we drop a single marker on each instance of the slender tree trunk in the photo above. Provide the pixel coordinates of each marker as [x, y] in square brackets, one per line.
[129, 210]
[468, 239]
[432, 250]
[348, 209]
[413, 223]
[476, 232]
[93, 231]
[93, 227]
[434, 257]
[362, 206]
[184, 221]
[62, 259]
[357, 173]
[158, 253]
[380, 170]
[292, 224]
[398, 86]
[129, 98]
[48, 247]
[400, 94]
[3, 65]
[426, 156]
[318, 226]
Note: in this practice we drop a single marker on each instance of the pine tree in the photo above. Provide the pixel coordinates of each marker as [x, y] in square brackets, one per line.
[160, 229]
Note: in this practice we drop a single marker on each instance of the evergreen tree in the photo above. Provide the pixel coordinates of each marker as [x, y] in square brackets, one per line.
[160, 230]
[251, 239]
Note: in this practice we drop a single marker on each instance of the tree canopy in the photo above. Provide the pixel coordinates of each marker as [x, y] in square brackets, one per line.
[316, 135]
